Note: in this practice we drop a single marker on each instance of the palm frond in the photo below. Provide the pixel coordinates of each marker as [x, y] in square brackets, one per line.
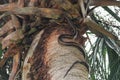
[112, 13]
[104, 56]
[114, 64]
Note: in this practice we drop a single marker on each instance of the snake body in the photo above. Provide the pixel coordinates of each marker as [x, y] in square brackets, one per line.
[62, 37]
[61, 40]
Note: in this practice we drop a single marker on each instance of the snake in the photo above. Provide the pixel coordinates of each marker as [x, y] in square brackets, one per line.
[72, 43]
[71, 37]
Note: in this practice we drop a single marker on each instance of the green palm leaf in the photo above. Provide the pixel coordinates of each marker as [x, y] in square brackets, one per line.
[104, 59]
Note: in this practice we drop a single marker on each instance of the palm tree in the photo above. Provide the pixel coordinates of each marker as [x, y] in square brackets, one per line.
[43, 39]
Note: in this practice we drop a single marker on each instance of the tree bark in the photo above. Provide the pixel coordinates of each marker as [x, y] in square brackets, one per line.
[52, 61]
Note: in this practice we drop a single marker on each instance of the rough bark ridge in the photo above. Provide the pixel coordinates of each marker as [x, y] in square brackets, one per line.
[51, 60]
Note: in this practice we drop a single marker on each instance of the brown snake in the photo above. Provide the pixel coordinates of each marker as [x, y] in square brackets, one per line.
[71, 37]
[72, 43]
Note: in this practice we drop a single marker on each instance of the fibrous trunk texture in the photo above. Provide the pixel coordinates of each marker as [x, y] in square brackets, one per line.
[52, 61]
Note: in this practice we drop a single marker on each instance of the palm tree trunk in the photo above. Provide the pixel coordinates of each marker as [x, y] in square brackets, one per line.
[53, 61]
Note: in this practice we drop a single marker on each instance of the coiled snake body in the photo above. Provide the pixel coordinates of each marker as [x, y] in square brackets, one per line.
[61, 40]
[62, 37]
